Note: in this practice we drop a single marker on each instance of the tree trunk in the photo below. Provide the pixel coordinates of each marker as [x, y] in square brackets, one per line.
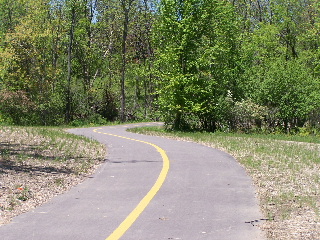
[177, 121]
[123, 68]
[126, 10]
[71, 38]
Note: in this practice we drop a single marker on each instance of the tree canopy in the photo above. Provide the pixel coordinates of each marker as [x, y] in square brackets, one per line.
[195, 64]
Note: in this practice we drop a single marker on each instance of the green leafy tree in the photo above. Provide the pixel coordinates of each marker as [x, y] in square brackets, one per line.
[197, 61]
[127, 55]
[289, 90]
[30, 52]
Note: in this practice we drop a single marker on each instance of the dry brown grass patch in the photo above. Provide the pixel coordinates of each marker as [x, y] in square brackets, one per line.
[37, 164]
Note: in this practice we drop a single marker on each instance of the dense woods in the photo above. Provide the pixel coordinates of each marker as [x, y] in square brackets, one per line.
[196, 64]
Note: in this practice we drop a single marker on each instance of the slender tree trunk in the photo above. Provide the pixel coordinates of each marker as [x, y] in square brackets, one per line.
[260, 11]
[71, 38]
[126, 9]
[148, 83]
[123, 67]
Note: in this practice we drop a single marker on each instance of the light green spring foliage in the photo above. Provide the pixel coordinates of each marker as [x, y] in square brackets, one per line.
[281, 54]
[197, 55]
[196, 61]
[35, 41]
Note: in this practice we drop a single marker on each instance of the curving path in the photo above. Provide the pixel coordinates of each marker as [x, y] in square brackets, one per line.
[149, 188]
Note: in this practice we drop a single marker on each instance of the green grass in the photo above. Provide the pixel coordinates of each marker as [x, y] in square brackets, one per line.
[285, 169]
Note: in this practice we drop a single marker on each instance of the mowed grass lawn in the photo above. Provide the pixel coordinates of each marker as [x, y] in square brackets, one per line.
[285, 171]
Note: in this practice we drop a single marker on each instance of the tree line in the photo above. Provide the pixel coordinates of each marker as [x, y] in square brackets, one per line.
[195, 64]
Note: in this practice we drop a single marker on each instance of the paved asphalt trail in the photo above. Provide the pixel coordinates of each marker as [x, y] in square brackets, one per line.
[206, 195]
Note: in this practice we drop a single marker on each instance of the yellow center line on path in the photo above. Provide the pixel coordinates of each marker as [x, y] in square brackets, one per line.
[132, 217]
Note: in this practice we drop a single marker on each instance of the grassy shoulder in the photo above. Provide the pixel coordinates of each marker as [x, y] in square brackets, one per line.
[37, 163]
[285, 171]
